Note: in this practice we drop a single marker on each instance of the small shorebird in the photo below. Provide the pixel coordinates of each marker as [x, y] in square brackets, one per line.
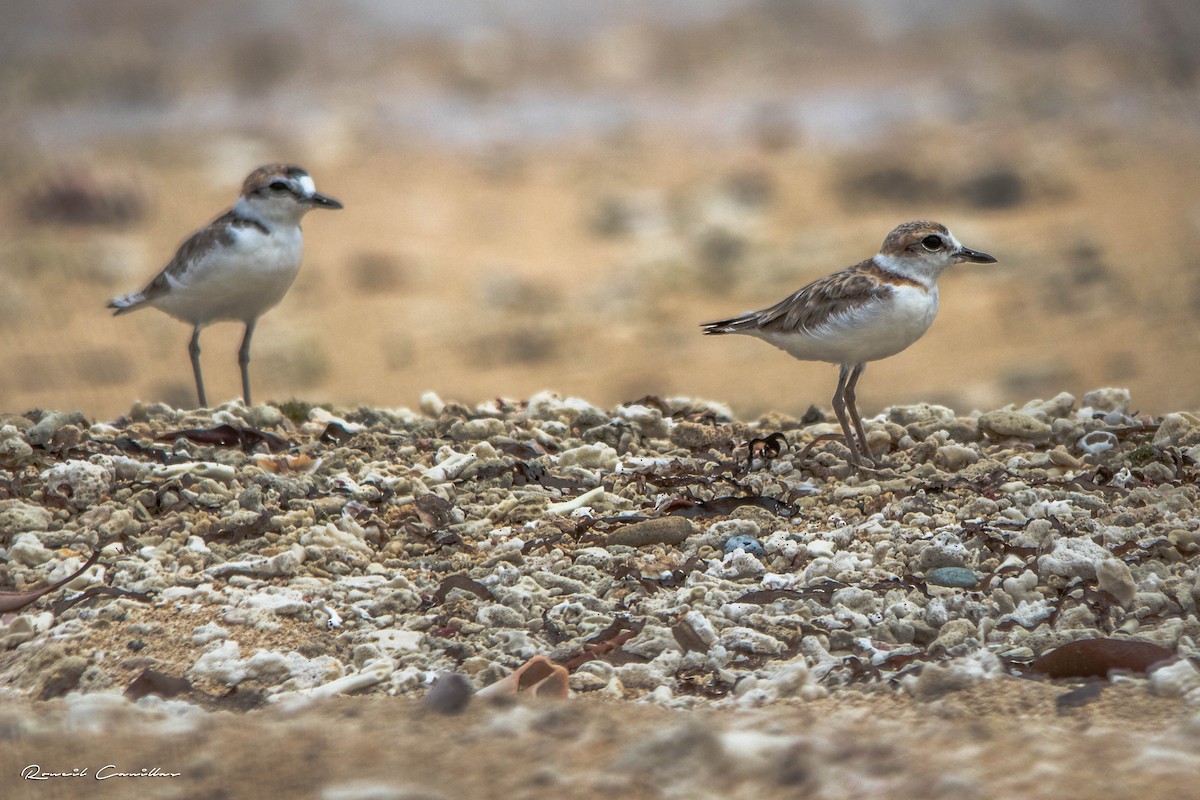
[240, 265]
[863, 313]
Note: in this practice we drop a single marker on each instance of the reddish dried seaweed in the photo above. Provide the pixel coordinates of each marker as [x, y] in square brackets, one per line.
[669, 581]
[724, 506]
[464, 583]
[687, 638]
[607, 642]
[1088, 658]
[248, 439]
[763, 597]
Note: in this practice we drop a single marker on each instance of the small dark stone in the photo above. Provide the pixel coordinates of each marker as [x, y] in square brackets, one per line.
[157, 683]
[135, 645]
[449, 694]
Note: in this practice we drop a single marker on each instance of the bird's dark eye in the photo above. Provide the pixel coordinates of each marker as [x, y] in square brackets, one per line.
[281, 186]
[932, 242]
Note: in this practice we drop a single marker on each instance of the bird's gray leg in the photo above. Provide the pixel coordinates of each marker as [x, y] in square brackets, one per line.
[839, 408]
[244, 359]
[194, 352]
[852, 402]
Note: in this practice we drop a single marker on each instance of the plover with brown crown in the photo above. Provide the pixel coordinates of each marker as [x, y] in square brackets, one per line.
[863, 313]
[239, 266]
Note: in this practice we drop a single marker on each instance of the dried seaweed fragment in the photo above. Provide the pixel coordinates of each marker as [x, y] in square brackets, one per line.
[248, 439]
[672, 580]
[15, 601]
[724, 506]
[464, 583]
[98, 591]
[764, 597]
[688, 640]
[608, 642]
[1088, 658]
[126, 444]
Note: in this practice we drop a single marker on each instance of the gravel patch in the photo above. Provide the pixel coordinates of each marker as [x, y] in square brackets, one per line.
[661, 552]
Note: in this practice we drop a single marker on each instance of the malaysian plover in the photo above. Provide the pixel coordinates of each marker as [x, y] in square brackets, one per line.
[863, 313]
[240, 265]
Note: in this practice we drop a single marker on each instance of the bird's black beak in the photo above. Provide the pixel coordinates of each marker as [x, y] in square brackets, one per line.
[324, 201]
[974, 256]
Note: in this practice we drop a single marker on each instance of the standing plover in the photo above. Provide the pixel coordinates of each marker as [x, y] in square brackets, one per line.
[863, 313]
[240, 265]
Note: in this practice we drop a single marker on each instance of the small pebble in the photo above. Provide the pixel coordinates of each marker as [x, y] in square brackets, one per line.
[1098, 442]
[449, 694]
[666, 530]
[746, 543]
[958, 577]
[1015, 424]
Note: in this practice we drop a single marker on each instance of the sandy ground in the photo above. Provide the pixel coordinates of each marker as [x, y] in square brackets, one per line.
[1001, 739]
[441, 276]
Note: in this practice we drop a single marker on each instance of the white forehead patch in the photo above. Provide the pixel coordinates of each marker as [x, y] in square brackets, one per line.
[306, 183]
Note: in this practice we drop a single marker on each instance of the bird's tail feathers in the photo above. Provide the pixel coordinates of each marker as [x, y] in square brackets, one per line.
[127, 302]
[731, 325]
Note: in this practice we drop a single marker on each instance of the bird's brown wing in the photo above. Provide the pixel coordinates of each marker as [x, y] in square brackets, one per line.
[812, 306]
[219, 233]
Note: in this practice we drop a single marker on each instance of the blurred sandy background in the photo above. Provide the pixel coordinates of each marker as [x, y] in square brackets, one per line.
[554, 193]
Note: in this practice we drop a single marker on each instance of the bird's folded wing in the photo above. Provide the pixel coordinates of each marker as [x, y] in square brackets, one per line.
[190, 257]
[822, 301]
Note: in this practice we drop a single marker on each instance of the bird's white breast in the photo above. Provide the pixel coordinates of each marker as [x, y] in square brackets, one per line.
[866, 333]
[239, 280]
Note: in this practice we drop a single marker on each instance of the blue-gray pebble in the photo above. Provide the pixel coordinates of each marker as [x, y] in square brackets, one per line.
[747, 543]
[449, 694]
[958, 577]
